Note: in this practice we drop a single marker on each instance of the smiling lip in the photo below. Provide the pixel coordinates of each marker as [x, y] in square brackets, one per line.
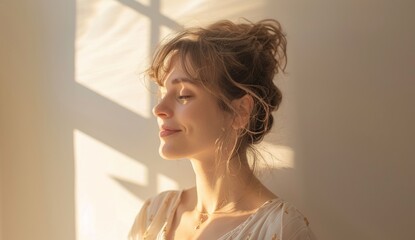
[164, 132]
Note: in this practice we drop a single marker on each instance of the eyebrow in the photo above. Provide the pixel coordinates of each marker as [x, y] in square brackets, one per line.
[180, 80]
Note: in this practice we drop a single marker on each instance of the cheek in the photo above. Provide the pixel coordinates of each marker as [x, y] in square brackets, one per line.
[195, 118]
[213, 122]
[202, 118]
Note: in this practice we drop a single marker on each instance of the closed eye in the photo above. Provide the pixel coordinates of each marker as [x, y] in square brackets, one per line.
[184, 97]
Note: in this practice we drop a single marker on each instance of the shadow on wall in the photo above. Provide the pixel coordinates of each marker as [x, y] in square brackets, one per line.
[109, 131]
[121, 129]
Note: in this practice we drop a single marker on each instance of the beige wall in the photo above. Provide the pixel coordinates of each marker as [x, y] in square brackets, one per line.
[345, 123]
[1, 193]
[351, 82]
[37, 157]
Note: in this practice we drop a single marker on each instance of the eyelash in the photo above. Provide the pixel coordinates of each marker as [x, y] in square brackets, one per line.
[184, 97]
[181, 98]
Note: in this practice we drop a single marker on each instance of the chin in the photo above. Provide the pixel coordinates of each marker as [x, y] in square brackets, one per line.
[168, 155]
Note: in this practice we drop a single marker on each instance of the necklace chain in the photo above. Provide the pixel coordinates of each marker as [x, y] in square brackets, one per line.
[204, 216]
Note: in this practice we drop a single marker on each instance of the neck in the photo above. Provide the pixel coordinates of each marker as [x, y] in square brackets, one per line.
[218, 189]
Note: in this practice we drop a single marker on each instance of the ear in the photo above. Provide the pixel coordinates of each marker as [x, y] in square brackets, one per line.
[243, 107]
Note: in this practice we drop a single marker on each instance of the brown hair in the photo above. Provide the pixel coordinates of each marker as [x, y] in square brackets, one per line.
[231, 60]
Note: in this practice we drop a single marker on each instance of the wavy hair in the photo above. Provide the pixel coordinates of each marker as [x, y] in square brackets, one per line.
[230, 60]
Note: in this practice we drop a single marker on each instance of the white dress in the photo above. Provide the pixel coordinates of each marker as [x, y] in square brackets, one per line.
[274, 220]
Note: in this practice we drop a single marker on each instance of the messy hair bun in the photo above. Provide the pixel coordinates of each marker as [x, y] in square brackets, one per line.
[230, 60]
[251, 55]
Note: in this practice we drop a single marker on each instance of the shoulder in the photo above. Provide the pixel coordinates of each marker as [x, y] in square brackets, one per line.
[154, 211]
[282, 220]
[163, 198]
[160, 205]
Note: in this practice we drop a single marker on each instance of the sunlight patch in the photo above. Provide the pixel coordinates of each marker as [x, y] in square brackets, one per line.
[277, 156]
[112, 53]
[103, 206]
[165, 183]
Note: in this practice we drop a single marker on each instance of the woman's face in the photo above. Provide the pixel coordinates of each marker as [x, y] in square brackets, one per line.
[188, 116]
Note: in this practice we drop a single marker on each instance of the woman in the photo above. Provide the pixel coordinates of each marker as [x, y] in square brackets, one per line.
[217, 96]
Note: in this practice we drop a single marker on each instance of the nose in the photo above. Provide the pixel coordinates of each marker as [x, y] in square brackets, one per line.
[162, 110]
